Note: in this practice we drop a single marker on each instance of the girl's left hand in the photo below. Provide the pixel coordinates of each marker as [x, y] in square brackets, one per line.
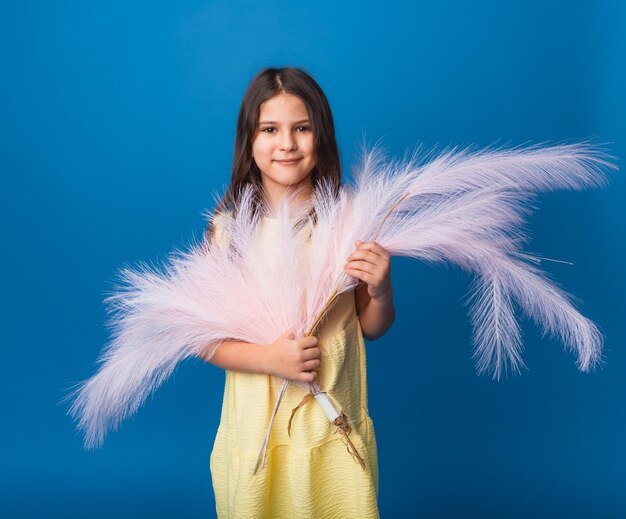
[370, 263]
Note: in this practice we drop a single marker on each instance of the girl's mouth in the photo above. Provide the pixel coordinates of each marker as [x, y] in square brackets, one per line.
[287, 162]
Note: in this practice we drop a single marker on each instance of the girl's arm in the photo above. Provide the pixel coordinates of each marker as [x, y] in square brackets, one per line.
[374, 299]
[286, 357]
[239, 356]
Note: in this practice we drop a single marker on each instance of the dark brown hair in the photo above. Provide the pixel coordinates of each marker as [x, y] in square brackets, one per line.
[269, 83]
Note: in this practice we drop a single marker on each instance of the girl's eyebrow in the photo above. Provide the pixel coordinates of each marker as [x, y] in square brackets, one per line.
[274, 122]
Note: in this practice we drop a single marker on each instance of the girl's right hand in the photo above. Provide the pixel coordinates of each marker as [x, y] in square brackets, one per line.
[294, 359]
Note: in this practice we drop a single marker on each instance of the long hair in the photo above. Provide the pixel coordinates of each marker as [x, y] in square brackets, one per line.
[267, 84]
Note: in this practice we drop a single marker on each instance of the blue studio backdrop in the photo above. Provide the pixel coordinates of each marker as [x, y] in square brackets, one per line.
[117, 128]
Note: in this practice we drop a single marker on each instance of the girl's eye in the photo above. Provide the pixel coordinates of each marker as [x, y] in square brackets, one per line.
[272, 129]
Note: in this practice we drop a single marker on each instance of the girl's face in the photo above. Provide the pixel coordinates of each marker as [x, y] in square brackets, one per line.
[283, 147]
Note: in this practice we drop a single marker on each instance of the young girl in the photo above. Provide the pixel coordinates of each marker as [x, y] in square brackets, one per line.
[285, 143]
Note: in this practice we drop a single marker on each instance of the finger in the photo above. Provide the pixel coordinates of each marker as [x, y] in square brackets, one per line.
[362, 266]
[309, 342]
[355, 274]
[311, 353]
[363, 276]
[374, 247]
[307, 376]
[312, 364]
[370, 256]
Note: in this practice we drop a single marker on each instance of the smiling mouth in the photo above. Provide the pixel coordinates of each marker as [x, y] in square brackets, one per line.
[288, 162]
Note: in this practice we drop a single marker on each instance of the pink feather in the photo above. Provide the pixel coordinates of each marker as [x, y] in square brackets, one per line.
[462, 207]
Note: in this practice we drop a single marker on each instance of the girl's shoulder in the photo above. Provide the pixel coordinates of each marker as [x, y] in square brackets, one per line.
[221, 222]
[222, 218]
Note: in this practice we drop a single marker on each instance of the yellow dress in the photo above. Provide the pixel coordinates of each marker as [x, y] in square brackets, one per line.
[309, 474]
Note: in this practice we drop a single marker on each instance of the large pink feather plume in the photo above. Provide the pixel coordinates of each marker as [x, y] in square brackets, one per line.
[459, 206]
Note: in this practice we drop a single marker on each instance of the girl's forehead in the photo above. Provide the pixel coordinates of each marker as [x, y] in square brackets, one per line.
[283, 108]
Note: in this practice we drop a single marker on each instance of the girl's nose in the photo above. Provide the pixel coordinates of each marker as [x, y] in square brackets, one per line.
[288, 143]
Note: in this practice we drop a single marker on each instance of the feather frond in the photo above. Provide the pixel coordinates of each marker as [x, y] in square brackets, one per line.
[462, 206]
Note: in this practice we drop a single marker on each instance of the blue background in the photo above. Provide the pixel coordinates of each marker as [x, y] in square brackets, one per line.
[117, 127]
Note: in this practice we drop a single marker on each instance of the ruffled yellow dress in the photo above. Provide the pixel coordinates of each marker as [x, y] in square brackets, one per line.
[309, 474]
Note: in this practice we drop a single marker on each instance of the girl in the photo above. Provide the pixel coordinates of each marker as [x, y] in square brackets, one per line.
[285, 144]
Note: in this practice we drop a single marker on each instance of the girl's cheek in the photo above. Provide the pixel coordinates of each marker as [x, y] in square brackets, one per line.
[261, 147]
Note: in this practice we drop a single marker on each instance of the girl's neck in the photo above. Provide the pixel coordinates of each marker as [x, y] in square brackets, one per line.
[299, 197]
